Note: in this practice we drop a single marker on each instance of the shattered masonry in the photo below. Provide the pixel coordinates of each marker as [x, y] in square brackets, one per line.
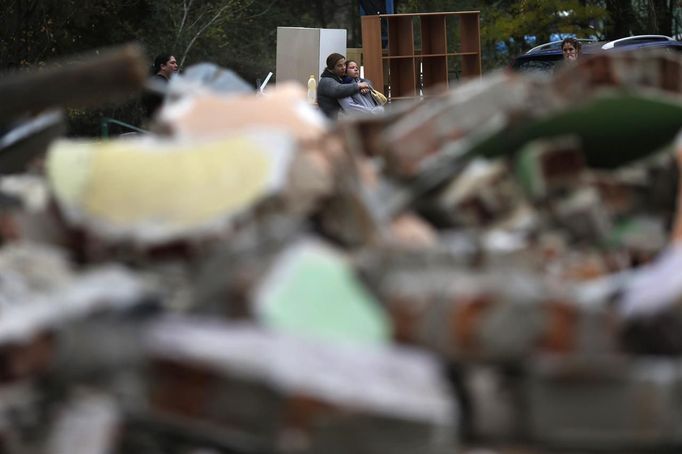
[497, 266]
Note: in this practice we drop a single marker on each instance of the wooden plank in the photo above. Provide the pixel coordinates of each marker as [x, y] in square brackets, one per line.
[113, 75]
[446, 13]
[371, 50]
[29, 140]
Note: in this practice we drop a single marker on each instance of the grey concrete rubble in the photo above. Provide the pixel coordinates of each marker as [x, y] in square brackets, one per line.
[496, 267]
[395, 385]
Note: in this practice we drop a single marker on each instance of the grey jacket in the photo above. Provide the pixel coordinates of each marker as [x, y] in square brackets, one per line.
[329, 90]
[360, 103]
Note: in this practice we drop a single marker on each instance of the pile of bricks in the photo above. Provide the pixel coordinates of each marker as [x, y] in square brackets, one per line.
[493, 267]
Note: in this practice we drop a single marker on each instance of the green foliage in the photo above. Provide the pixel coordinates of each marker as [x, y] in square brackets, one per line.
[512, 22]
[35, 31]
[541, 18]
[87, 122]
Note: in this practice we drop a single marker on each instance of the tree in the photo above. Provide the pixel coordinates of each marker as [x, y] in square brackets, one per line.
[521, 24]
[643, 17]
[181, 24]
[35, 31]
[622, 20]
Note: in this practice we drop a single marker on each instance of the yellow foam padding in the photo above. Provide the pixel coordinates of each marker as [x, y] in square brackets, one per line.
[68, 169]
[129, 182]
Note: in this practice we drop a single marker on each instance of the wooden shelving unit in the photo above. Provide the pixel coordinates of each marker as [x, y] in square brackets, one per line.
[407, 68]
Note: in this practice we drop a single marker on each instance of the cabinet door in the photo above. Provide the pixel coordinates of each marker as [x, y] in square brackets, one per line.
[372, 51]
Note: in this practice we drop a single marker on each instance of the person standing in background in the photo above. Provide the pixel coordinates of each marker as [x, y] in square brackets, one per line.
[165, 65]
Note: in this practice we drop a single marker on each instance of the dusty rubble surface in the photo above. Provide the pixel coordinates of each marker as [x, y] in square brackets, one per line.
[494, 267]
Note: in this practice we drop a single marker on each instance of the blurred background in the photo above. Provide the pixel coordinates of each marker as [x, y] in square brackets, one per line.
[241, 34]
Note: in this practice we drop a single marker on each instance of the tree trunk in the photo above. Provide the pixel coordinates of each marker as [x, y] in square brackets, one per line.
[661, 16]
[623, 21]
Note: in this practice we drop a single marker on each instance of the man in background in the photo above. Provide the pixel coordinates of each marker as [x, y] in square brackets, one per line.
[165, 65]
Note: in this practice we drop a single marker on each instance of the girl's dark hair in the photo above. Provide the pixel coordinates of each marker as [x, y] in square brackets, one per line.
[332, 59]
[348, 62]
[574, 42]
[160, 60]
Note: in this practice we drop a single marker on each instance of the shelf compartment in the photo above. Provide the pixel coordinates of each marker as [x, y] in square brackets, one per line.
[470, 38]
[471, 65]
[400, 36]
[402, 77]
[433, 35]
[455, 75]
[434, 74]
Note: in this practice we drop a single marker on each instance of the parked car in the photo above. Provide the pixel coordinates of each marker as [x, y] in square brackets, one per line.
[545, 57]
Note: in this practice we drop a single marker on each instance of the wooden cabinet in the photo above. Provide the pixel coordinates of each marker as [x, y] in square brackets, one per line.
[423, 52]
[303, 51]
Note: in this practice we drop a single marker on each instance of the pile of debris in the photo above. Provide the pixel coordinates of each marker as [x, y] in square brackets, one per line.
[496, 266]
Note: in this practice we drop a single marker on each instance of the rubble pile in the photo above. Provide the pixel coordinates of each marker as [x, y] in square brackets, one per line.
[496, 267]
